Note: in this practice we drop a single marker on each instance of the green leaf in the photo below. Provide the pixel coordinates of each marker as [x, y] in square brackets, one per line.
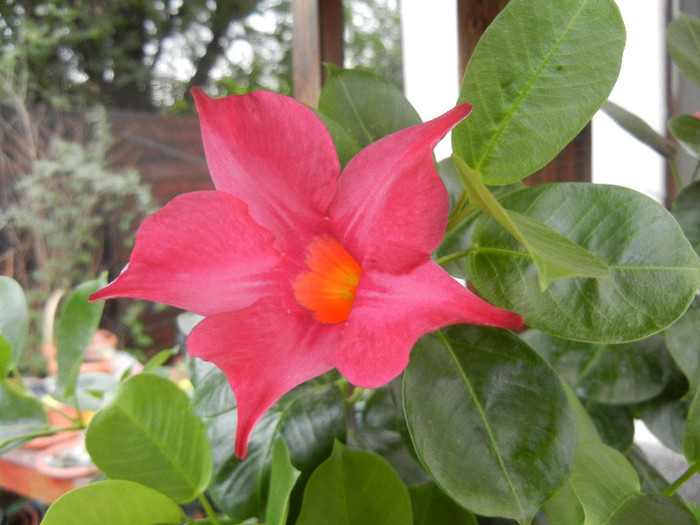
[687, 213]
[489, 420]
[13, 317]
[691, 441]
[564, 508]
[283, 475]
[151, 419]
[612, 374]
[431, 506]
[602, 480]
[355, 487]
[535, 80]
[643, 509]
[114, 502]
[77, 325]
[684, 345]
[365, 105]
[22, 413]
[683, 41]
[639, 129]
[309, 418]
[686, 130]
[607, 486]
[554, 255]
[345, 144]
[654, 270]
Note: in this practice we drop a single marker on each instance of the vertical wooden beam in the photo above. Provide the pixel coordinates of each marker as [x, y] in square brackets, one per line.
[317, 38]
[473, 17]
[574, 162]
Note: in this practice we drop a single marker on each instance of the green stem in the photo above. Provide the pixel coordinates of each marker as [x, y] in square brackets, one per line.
[676, 176]
[356, 395]
[442, 261]
[208, 509]
[692, 470]
[40, 433]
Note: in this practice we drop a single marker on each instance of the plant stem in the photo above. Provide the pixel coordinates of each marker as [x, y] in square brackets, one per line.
[442, 261]
[676, 175]
[692, 470]
[208, 509]
[40, 433]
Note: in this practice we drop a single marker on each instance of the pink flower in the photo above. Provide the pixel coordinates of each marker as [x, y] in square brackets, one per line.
[297, 267]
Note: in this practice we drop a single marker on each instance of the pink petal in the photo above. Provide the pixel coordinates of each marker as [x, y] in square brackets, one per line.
[264, 352]
[390, 210]
[391, 312]
[202, 252]
[274, 154]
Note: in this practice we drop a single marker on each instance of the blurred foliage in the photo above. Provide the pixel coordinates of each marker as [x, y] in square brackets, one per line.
[146, 54]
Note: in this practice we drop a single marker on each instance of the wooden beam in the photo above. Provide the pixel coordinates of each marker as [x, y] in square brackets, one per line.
[317, 38]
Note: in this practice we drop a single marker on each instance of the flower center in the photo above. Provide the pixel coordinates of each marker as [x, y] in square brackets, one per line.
[328, 287]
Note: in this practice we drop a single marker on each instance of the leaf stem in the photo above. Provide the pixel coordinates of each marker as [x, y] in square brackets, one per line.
[442, 261]
[211, 514]
[41, 433]
[692, 470]
[676, 176]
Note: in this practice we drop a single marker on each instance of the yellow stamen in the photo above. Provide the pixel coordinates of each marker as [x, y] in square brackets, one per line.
[328, 288]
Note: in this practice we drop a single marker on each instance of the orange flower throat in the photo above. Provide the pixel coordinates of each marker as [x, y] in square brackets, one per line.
[328, 288]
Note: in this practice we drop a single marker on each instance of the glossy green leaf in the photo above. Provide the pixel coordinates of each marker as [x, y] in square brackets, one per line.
[283, 475]
[686, 130]
[683, 41]
[654, 270]
[615, 425]
[639, 129]
[644, 509]
[691, 441]
[345, 144]
[76, 326]
[432, 506]
[355, 487]
[489, 420]
[687, 213]
[603, 480]
[13, 317]
[554, 255]
[535, 80]
[22, 413]
[564, 508]
[367, 106]
[114, 502]
[309, 418]
[608, 488]
[684, 344]
[151, 419]
[612, 374]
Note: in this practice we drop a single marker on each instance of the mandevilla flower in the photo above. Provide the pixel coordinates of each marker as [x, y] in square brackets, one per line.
[296, 267]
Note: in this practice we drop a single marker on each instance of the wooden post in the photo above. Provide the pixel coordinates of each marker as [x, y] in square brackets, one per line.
[317, 38]
[574, 162]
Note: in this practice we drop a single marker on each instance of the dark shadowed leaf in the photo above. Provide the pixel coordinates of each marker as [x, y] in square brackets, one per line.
[490, 420]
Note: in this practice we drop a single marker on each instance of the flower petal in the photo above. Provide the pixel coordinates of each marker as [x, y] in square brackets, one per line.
[391, 312]
[274, 154]
[264, 352]
[390, 210]
[202, 252]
